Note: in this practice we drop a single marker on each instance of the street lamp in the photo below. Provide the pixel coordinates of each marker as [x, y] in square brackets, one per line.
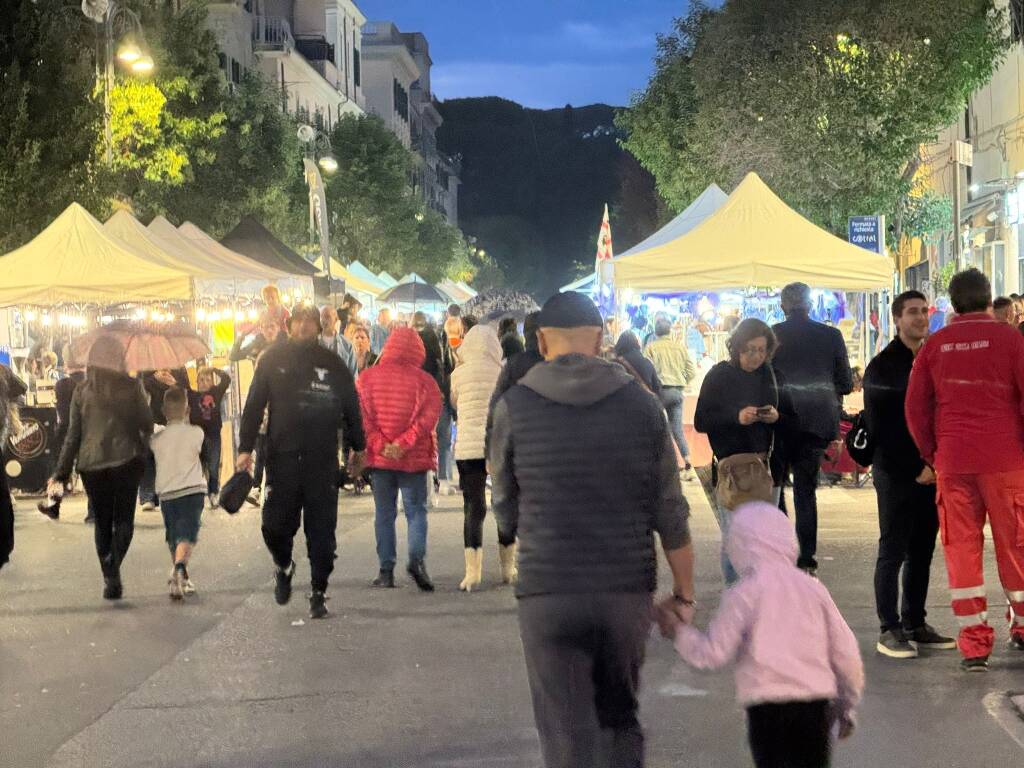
[318, 154]
[115, 21]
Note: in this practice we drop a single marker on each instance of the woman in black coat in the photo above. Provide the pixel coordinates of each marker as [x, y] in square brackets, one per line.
[11, 388]
[627, 349]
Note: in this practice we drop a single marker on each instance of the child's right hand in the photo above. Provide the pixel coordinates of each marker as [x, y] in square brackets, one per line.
[846, 728]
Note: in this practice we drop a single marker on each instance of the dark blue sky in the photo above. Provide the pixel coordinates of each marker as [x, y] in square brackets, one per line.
[541, 53]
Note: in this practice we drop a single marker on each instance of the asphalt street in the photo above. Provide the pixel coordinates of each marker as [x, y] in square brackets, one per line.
[400, 678]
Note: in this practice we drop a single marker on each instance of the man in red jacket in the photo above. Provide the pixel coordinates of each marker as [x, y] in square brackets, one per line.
[965, 410]
[401, 404]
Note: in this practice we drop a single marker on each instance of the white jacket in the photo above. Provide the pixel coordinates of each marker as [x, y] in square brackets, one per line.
[472, 384]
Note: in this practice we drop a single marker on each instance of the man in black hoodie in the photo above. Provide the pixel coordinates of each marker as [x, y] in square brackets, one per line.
[563, 438]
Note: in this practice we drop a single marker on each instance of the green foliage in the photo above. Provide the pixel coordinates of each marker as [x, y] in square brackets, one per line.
[828, 100]
[926, 215]
[943, 277]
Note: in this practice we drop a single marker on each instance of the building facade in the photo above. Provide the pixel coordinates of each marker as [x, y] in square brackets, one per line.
[991, 188]
[310, 50]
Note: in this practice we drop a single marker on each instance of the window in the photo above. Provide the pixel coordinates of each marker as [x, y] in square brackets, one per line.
[355, 65]
[236, 72]
[1017, 19]
[222, 61]
[401, 97]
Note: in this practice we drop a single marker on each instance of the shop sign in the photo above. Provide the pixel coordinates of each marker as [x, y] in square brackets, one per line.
[867, 232]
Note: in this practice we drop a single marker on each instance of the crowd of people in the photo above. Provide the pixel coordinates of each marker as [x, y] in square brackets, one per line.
[543, 418]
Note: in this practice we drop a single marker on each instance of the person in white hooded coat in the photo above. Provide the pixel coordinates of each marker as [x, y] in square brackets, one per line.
[472, 384]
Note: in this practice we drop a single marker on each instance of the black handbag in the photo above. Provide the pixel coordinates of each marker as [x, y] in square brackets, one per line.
[858, 441]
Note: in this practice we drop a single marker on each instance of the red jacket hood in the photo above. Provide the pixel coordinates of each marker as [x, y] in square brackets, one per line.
[404, 347]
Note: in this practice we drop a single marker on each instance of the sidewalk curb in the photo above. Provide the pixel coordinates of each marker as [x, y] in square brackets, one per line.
[1007, 708]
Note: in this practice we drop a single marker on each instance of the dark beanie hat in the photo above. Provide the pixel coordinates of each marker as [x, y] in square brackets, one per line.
[569, 310]
[303, 312]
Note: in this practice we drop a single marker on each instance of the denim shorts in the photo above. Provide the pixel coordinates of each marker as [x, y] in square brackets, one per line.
[181, 518]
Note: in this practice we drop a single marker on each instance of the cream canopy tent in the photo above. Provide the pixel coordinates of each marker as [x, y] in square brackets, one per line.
[703, 206]
[74, 260]
[367, 275]
[754, 239]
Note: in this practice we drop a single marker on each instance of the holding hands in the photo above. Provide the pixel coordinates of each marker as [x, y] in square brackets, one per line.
[671, 612]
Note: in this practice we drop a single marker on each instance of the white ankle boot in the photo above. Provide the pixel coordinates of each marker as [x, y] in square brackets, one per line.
[509, 568]
[474, 569]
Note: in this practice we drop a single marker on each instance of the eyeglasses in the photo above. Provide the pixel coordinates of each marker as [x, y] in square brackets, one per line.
[754, 351]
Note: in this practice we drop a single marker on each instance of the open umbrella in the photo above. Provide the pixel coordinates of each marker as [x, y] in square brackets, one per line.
[494, 305]
[412, 293]
[147, 346]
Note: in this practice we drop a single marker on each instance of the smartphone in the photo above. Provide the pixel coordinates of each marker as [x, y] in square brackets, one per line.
[764, 410]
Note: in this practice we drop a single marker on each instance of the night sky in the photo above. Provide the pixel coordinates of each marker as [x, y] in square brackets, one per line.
[540, 53]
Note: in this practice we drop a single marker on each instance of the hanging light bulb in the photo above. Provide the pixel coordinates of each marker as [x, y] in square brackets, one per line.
[140, 313]
[200, 314]
[286, 299]
[30, 316]
[239, 316]
[47, 320]
[253, 314]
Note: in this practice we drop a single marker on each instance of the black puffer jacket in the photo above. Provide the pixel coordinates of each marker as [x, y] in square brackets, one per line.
[585, 473]
[628, 349]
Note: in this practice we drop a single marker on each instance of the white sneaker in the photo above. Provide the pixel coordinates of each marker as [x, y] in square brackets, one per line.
[214, 500]
[148, 506]
[446, 488]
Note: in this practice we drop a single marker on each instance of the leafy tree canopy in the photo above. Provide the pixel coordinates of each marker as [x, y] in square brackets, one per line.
[828, 100]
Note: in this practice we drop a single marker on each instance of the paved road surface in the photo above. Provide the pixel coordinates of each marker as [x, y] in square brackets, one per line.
[399, 678]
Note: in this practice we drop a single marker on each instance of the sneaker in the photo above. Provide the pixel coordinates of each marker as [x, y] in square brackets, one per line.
[49, 508]
[445, 488]
[254, 497]
[977, 664]
[317, 605]
[1017, 642]
[90, 519]
[283, 585]
[927, 636]
[894, 644]
[385, 579]
[418, 571]
[214, 500]
[148, 506]
[112, 588]
[176, 584]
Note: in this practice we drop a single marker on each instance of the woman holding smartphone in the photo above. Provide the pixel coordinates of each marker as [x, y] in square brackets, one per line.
[739, 406]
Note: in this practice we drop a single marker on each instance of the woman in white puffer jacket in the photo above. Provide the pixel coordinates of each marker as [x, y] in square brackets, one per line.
[472, 384]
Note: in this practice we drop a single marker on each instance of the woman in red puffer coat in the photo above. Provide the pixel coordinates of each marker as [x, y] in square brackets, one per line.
[401, 404]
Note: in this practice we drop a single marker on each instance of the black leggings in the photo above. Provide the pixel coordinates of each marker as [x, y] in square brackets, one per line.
[112, 497]
[473, 479]
[792, 734]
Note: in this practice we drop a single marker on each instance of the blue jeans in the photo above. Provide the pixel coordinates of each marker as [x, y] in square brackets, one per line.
[182, 519]
[413, 485]
[211, 459]
[672, 399]
[444, 444]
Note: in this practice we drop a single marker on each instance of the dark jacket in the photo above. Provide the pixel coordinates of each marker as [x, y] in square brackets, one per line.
[434, 361]
[514, 369]
[584, 472]
[511, 345]
[885, 392]
[628, 348]
[256, 346]
[205, 407]
[64, 390]
[812, 359]
[110, 425]
[157, 389]
[311, 394]
[727, 390]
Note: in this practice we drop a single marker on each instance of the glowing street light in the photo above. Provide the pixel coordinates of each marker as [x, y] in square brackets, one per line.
[328, 162]
[129, 52]
[142, 65]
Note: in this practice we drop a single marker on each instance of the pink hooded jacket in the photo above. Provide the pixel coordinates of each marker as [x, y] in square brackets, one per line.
[788, 639]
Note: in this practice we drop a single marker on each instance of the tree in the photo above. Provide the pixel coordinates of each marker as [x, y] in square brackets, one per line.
[47, 119]
[375, 216]
[828, 100]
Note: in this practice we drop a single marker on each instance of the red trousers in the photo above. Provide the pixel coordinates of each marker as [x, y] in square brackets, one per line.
[964, 502]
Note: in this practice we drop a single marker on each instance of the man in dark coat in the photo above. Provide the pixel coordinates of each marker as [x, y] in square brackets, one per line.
[587, 559]
[907, 517]
[516, 367]
[813, 362]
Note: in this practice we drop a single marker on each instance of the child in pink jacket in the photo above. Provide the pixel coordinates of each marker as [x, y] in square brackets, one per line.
[798, 667]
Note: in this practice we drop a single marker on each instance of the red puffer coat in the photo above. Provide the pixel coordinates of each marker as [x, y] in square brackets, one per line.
[401, 404]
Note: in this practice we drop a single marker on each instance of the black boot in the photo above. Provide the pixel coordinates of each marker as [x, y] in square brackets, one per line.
[112, 587]
[385, 579]
[418, 571]
[283, 584]
[317, 605]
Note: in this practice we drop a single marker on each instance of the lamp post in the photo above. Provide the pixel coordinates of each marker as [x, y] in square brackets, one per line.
[318, 155]
[116, 20]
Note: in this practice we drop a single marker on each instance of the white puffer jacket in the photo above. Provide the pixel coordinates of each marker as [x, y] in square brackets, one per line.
[472, 386]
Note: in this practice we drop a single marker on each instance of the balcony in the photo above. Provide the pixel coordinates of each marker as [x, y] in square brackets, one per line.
[272, 33]
[315, 49]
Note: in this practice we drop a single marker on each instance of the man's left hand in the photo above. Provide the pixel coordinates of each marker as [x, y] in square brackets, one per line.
[356, 463]
[927, 476]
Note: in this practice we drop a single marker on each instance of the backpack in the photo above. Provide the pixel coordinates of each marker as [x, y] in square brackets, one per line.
[858, 441]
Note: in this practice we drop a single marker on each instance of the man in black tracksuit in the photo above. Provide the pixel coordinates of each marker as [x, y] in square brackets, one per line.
[584, 473]
[310, 394]
[813, 361]
[908, 521]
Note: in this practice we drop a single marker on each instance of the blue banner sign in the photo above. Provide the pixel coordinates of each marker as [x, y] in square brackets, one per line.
[867, 232]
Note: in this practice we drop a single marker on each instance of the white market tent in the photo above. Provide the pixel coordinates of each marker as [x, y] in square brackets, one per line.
[387, 279]
[702, 207]
[359, 287]
[74, 260]
[201, 240]
[459, 292]
[360, 270]
[754, 239]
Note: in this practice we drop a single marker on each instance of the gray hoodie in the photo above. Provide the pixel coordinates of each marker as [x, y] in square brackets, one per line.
[584, 472]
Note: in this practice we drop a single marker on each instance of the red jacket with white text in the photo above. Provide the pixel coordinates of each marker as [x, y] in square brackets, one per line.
[965, 402]
[401, 404]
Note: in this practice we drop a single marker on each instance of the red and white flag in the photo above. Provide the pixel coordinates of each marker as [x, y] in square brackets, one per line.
[604, 268]
[604, 239]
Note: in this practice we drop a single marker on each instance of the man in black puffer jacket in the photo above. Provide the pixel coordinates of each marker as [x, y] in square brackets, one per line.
[584, 472]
